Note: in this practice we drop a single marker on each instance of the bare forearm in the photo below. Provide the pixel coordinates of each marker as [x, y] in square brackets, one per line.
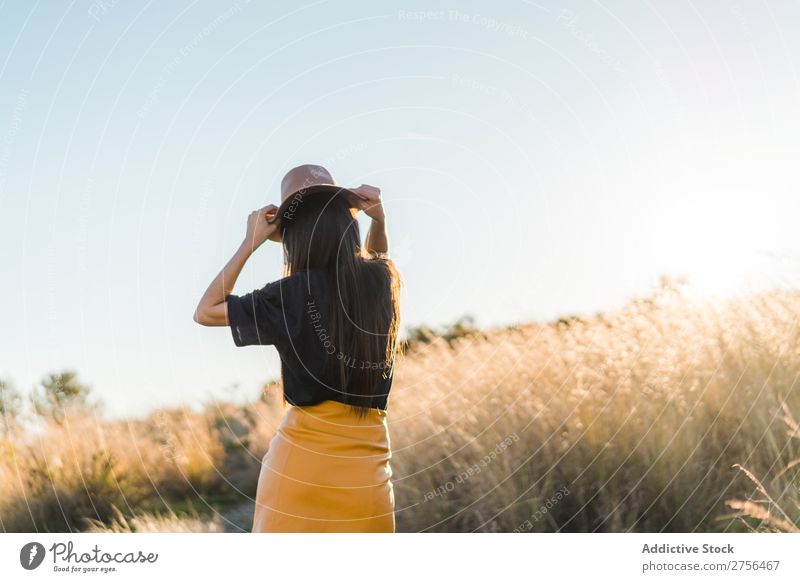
[212, 310]
[377, 238]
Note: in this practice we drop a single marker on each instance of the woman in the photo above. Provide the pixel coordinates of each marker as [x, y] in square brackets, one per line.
[333, 318]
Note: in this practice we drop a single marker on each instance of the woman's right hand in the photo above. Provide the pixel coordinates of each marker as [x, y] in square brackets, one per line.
[258, 227]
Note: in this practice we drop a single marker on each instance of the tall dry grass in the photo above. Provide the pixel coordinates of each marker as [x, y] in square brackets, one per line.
[636, 420]
[637, 416]
[73, 476]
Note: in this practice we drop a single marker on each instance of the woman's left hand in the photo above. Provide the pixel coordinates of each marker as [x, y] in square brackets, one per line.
[369, 200]
[258, 229]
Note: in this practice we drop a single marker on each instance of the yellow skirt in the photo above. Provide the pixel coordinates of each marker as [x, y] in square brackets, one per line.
[326, 471]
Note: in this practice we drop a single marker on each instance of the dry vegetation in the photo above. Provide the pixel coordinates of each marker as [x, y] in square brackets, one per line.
[667, 415]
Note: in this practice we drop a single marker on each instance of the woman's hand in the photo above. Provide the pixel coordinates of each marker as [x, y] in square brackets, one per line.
[369, 200]
[258, 227]
[213, 307]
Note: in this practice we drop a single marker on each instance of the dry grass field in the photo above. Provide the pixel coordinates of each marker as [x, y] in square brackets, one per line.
[667, 415]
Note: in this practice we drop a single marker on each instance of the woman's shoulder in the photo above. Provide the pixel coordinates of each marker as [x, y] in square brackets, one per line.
[296, 277]
[300, 277]
[298, 283]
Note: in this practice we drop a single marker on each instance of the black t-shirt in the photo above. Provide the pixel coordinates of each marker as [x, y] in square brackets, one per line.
[290, 314]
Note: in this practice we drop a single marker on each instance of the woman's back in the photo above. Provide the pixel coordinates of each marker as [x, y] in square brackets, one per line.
[293, 315]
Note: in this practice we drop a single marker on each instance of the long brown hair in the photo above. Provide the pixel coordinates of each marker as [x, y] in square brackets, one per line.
[363, 313]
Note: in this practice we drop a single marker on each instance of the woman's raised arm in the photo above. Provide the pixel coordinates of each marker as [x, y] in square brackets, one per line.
[212, 309]
[372, 205]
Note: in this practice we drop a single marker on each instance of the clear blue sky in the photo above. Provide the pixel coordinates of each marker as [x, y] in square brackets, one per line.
[536, 159]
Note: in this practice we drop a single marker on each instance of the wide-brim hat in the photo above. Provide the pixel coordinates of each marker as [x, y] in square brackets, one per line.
[302, 181]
